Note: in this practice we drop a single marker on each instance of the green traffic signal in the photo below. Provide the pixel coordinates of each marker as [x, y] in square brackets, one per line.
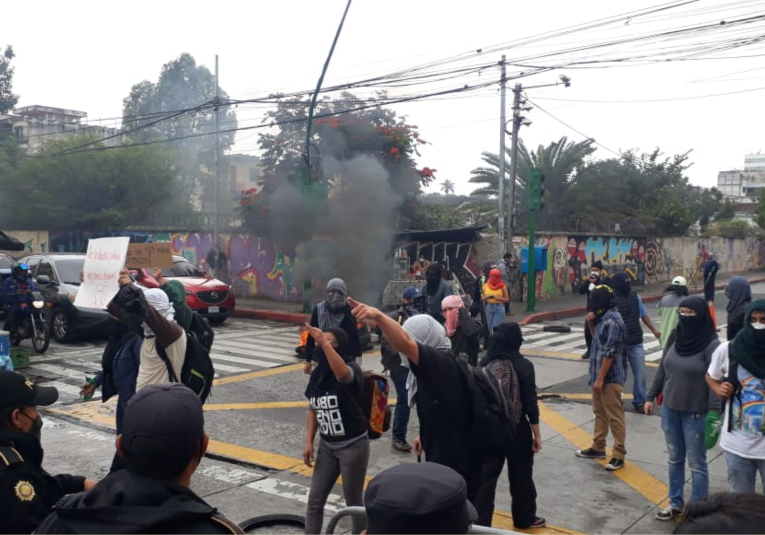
[536, 189]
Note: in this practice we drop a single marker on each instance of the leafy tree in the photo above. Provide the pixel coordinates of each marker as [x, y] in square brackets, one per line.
[182, 85]
[436, 217]
[447, 186]
[92, 189]
[7, 99]
[727, 210]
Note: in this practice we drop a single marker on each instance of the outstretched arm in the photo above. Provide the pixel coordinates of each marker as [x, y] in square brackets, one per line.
[392, 331]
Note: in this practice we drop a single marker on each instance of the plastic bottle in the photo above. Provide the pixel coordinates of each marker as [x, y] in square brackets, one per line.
[91, 381]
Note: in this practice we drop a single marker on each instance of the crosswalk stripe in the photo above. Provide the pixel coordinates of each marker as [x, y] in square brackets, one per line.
[66, 388]
[230, 369]
[290, 341]
[240, 360]
[578, 336]
[260, 353]
[60, 370]
[283, 348]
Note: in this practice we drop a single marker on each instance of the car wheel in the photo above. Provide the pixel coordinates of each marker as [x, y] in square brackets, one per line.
[60, 326]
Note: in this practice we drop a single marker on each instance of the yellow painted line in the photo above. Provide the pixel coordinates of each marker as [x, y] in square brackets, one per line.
[651, 488]
[503, 520]
[577, 395]
[255, 375]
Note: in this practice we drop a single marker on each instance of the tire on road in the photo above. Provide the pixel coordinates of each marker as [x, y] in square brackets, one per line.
[556, 329]
[278, 523]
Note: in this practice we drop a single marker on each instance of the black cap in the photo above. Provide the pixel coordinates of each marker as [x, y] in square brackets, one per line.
[418, 498]
[18, 391]
[163, 425]
[597, 264]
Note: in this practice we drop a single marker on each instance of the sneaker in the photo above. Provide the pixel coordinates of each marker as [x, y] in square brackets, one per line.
[586, 355]
[615, 464]
[401, 446]
[539, 522]
[640, 408]
[590, 453]
[668, 514]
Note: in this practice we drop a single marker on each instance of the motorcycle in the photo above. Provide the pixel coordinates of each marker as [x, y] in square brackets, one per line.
[32, 324]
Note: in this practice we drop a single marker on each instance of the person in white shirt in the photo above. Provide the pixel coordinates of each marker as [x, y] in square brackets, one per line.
[737, 374]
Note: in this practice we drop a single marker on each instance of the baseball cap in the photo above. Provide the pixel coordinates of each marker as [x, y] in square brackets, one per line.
[412, 293]
[679, 281]
[162, 428]
[418, 498]
[18, 391]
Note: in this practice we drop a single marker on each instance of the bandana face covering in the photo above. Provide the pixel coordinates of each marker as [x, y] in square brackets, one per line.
[451, 309]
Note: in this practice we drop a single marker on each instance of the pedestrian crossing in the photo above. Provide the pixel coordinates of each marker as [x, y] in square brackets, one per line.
[239, 347]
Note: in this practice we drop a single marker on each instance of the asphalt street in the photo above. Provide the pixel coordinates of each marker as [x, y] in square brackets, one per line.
[256, 421]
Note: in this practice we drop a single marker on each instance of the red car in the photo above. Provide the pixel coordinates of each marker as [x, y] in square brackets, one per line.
[210, 297]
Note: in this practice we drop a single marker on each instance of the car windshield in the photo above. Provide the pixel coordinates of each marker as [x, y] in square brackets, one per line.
[182, 269]
[69, 269]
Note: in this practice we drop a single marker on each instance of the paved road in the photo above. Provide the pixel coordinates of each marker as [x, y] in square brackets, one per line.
[256, 420]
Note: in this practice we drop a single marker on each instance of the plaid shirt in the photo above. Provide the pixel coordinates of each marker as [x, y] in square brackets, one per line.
[609, 340]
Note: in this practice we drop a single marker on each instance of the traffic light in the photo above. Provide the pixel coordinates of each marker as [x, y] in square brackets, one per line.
[536, 189]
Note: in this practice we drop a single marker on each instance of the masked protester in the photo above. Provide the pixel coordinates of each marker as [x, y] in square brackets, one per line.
[436, 289]
[711, 269]
[743, 388]
[686, 401]
[334, 312]
[27, 492]
[739, 295]
[668, 316]
[461, 329]
[495, 295]
[597, 276]
[608, 373]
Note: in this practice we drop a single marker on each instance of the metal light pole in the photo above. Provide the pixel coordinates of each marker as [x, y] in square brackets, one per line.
[516, 128]
[502, 121]
[216, 247]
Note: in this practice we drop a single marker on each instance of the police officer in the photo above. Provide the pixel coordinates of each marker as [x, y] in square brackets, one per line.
[27, 492]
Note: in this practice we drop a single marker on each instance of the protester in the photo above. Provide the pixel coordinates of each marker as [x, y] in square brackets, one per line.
[438, 388]
[632, 312]
[668, 316]
[739, 295]
[494, 294]
[686, 400]
[420, 267]
[597, 276]
[335, 392]
[391, 360]
[476, 291]
[710, 275]
[162, 443]
[742, 436]
[462, 330]
[502, 360]
[724, 513]
[506, 267]
[334, 312]
[27, 492]
[423, 498]
[608, 373]
[436, 289]
[176, 293]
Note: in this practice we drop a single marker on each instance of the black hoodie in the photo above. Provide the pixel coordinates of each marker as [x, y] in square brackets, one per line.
[126, 502]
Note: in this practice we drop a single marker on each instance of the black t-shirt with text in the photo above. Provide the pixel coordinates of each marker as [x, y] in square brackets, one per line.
[338, 408]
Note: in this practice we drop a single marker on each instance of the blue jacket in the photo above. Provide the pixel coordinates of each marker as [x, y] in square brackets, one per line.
[9, 288]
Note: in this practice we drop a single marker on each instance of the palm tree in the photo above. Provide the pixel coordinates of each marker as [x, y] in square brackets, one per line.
[447, 186]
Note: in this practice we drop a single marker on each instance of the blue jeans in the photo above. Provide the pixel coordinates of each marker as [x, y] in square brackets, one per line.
[401, 417]
[636, 358]
[495, 315]
[742, 472]
[684, 433]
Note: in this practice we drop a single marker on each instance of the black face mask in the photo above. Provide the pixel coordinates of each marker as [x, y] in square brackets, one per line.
[691, 324]
[37, 423]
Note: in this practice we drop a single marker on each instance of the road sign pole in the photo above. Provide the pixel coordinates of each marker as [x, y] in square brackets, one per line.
[531, 278]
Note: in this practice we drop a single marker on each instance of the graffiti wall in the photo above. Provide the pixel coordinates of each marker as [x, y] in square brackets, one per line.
[35, 241]
[460, 258]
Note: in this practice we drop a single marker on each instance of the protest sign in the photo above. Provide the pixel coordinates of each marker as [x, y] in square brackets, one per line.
[150, 255]
[101, 273]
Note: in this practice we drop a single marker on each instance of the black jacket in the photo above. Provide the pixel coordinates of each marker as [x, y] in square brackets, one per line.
[391, 359]
[348, 324]
[126, 502]
[27, 492]
[466, 338]
[736, 320]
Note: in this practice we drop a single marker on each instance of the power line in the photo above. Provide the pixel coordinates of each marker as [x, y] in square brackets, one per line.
[651, 100]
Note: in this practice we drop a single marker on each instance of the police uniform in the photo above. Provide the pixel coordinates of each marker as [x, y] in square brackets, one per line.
[27, 492]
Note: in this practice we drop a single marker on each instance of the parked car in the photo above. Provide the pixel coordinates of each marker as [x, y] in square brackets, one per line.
[210, 297]
[66, 321]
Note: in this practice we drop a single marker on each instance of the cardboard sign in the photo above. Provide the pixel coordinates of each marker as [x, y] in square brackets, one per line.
[101, 273]
[150, 255]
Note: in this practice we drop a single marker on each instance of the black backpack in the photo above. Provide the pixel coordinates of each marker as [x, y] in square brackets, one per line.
[492, 429]
[201, 328]
[198, 371]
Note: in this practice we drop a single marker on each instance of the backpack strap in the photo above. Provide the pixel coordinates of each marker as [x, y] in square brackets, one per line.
[10, 456]
[163, 355]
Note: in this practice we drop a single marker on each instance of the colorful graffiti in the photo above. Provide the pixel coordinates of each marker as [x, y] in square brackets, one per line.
[458, 257]
[617, 254]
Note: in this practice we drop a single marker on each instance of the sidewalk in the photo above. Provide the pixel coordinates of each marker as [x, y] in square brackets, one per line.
[556, 308]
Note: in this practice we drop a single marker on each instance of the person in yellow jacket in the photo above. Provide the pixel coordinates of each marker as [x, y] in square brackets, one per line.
[495, 294]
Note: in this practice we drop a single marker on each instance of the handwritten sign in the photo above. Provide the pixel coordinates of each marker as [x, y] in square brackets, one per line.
[101, 273]
[149, 255]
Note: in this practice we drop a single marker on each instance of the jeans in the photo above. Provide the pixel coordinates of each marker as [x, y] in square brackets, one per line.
[636, 358]
[742, 472]
[609, 415]
[684, 433]
[350, 461]
[401, 416]
[495, 315]
[520, 473]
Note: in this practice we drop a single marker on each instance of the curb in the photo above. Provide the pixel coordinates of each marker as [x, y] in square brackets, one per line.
[581, 311]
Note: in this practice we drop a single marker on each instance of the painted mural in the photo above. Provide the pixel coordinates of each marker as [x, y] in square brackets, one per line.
[460, 258]
[35, 241]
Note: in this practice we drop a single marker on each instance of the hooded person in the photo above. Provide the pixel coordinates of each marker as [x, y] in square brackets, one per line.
[737, 375]
[436, 288]
[334, 312]
[668, 316]
[335, 395]
[503, 360]
[163, 443]
[681, 378]
[739, 294]
[461, 329]
[711, 268]
[597, 276]
[495, 294]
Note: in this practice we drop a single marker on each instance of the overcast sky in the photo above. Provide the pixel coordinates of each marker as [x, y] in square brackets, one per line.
[86, 55]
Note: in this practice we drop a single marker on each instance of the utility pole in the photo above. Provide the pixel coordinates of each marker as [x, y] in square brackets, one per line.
[516, 128]
[216, 247]
[502, 121]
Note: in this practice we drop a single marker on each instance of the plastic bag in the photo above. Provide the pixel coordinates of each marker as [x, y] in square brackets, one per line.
[712, 429]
